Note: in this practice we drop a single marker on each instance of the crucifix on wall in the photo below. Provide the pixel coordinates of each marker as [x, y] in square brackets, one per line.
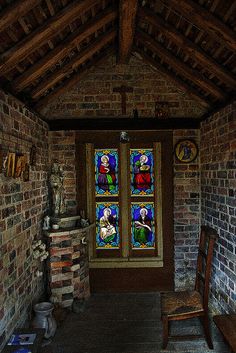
[123, 90]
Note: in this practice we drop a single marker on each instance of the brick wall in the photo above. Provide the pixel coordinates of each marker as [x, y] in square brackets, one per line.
[22, 205]
[186, 214]
[218, 198]
[62, 148]
[94, 94]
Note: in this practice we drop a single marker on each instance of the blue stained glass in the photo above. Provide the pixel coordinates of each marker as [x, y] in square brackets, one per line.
[141, 169]
[107, 225]
[106, 172]
[142, 225]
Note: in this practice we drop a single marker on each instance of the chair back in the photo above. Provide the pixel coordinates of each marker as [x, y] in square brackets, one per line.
[208, 236]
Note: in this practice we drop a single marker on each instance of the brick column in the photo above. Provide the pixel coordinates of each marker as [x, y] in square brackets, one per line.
[68, 266]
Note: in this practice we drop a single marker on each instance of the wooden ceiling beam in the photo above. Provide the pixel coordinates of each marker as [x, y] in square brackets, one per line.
[180, 67]
[190, 48]
[202, 18]
[84, 55]
[60, 51]
[42, 34]
[127, 19]
[73, 80]
[181, 84]
[16, 10]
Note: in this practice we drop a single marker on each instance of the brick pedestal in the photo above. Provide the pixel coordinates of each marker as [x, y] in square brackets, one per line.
[68, 268]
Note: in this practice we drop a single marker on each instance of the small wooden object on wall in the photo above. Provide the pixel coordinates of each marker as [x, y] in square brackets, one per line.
[19, 165]
[10, 168]
[186, 150]
[32, 160]
[26, 173]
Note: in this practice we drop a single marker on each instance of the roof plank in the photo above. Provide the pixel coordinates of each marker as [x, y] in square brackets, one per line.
[42, 34]
[201, 17]
[60, 51]
[182, 68]
[14, 11]
[190, 48]
[181, 84]
[73, 80]
[84, 55]
[127, 17]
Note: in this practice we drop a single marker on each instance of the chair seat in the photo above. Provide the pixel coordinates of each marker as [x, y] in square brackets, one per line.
[180, 303]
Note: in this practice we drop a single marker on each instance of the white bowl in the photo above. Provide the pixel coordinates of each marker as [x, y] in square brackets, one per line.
[55, 226]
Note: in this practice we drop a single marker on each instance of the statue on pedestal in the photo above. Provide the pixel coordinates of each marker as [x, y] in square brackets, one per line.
[58, 191]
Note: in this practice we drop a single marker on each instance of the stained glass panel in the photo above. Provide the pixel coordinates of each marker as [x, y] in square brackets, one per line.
[107, 225]
[106, 172]
[141, 170]
[142, 225]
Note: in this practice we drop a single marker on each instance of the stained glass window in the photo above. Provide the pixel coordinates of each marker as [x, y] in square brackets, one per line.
[107, 225]
[142, 225]
[106, 172]
[141, 169]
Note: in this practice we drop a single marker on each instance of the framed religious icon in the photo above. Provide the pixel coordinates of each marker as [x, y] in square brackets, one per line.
[186, 150]
[19, 165]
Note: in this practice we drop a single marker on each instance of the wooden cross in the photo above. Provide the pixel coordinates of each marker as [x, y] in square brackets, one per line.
[123, 90]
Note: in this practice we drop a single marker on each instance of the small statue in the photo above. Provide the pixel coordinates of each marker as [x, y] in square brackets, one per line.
[56, 183]
[46, 223]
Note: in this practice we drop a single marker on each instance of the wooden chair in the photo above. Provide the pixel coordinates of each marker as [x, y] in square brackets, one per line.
[192, 303]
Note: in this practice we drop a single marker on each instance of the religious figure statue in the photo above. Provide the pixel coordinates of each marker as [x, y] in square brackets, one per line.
[106, 177]
[142, 227]
[56, 183]
[142, 177]
[107, 226]
[46, 223]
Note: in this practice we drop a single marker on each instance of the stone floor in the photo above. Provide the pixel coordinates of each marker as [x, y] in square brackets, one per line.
[124, 323]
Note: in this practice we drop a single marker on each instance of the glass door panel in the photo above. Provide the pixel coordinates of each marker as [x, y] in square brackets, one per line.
[141, 170]
[107, 225]
[142, 225]
[106, 172]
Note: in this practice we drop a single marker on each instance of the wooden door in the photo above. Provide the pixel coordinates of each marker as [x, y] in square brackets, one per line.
[137, 251]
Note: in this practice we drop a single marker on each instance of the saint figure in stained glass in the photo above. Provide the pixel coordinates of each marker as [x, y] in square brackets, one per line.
[142, 177]
[107, 226]
[142, 227]
[106, 172]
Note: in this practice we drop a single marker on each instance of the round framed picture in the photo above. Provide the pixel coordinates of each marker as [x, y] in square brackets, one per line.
[186, 150]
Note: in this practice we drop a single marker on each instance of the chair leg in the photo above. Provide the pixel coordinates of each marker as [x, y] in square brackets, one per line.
[165, 324]
[206, 326]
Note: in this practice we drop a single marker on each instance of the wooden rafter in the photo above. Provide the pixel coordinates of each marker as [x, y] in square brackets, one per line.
[42, 34]
[73, 80]
[202, 18]
[49, 60]
[181, 84]
[190, 48]
[84, 55]
[14, 11]
[127, 16]
[180, 67]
